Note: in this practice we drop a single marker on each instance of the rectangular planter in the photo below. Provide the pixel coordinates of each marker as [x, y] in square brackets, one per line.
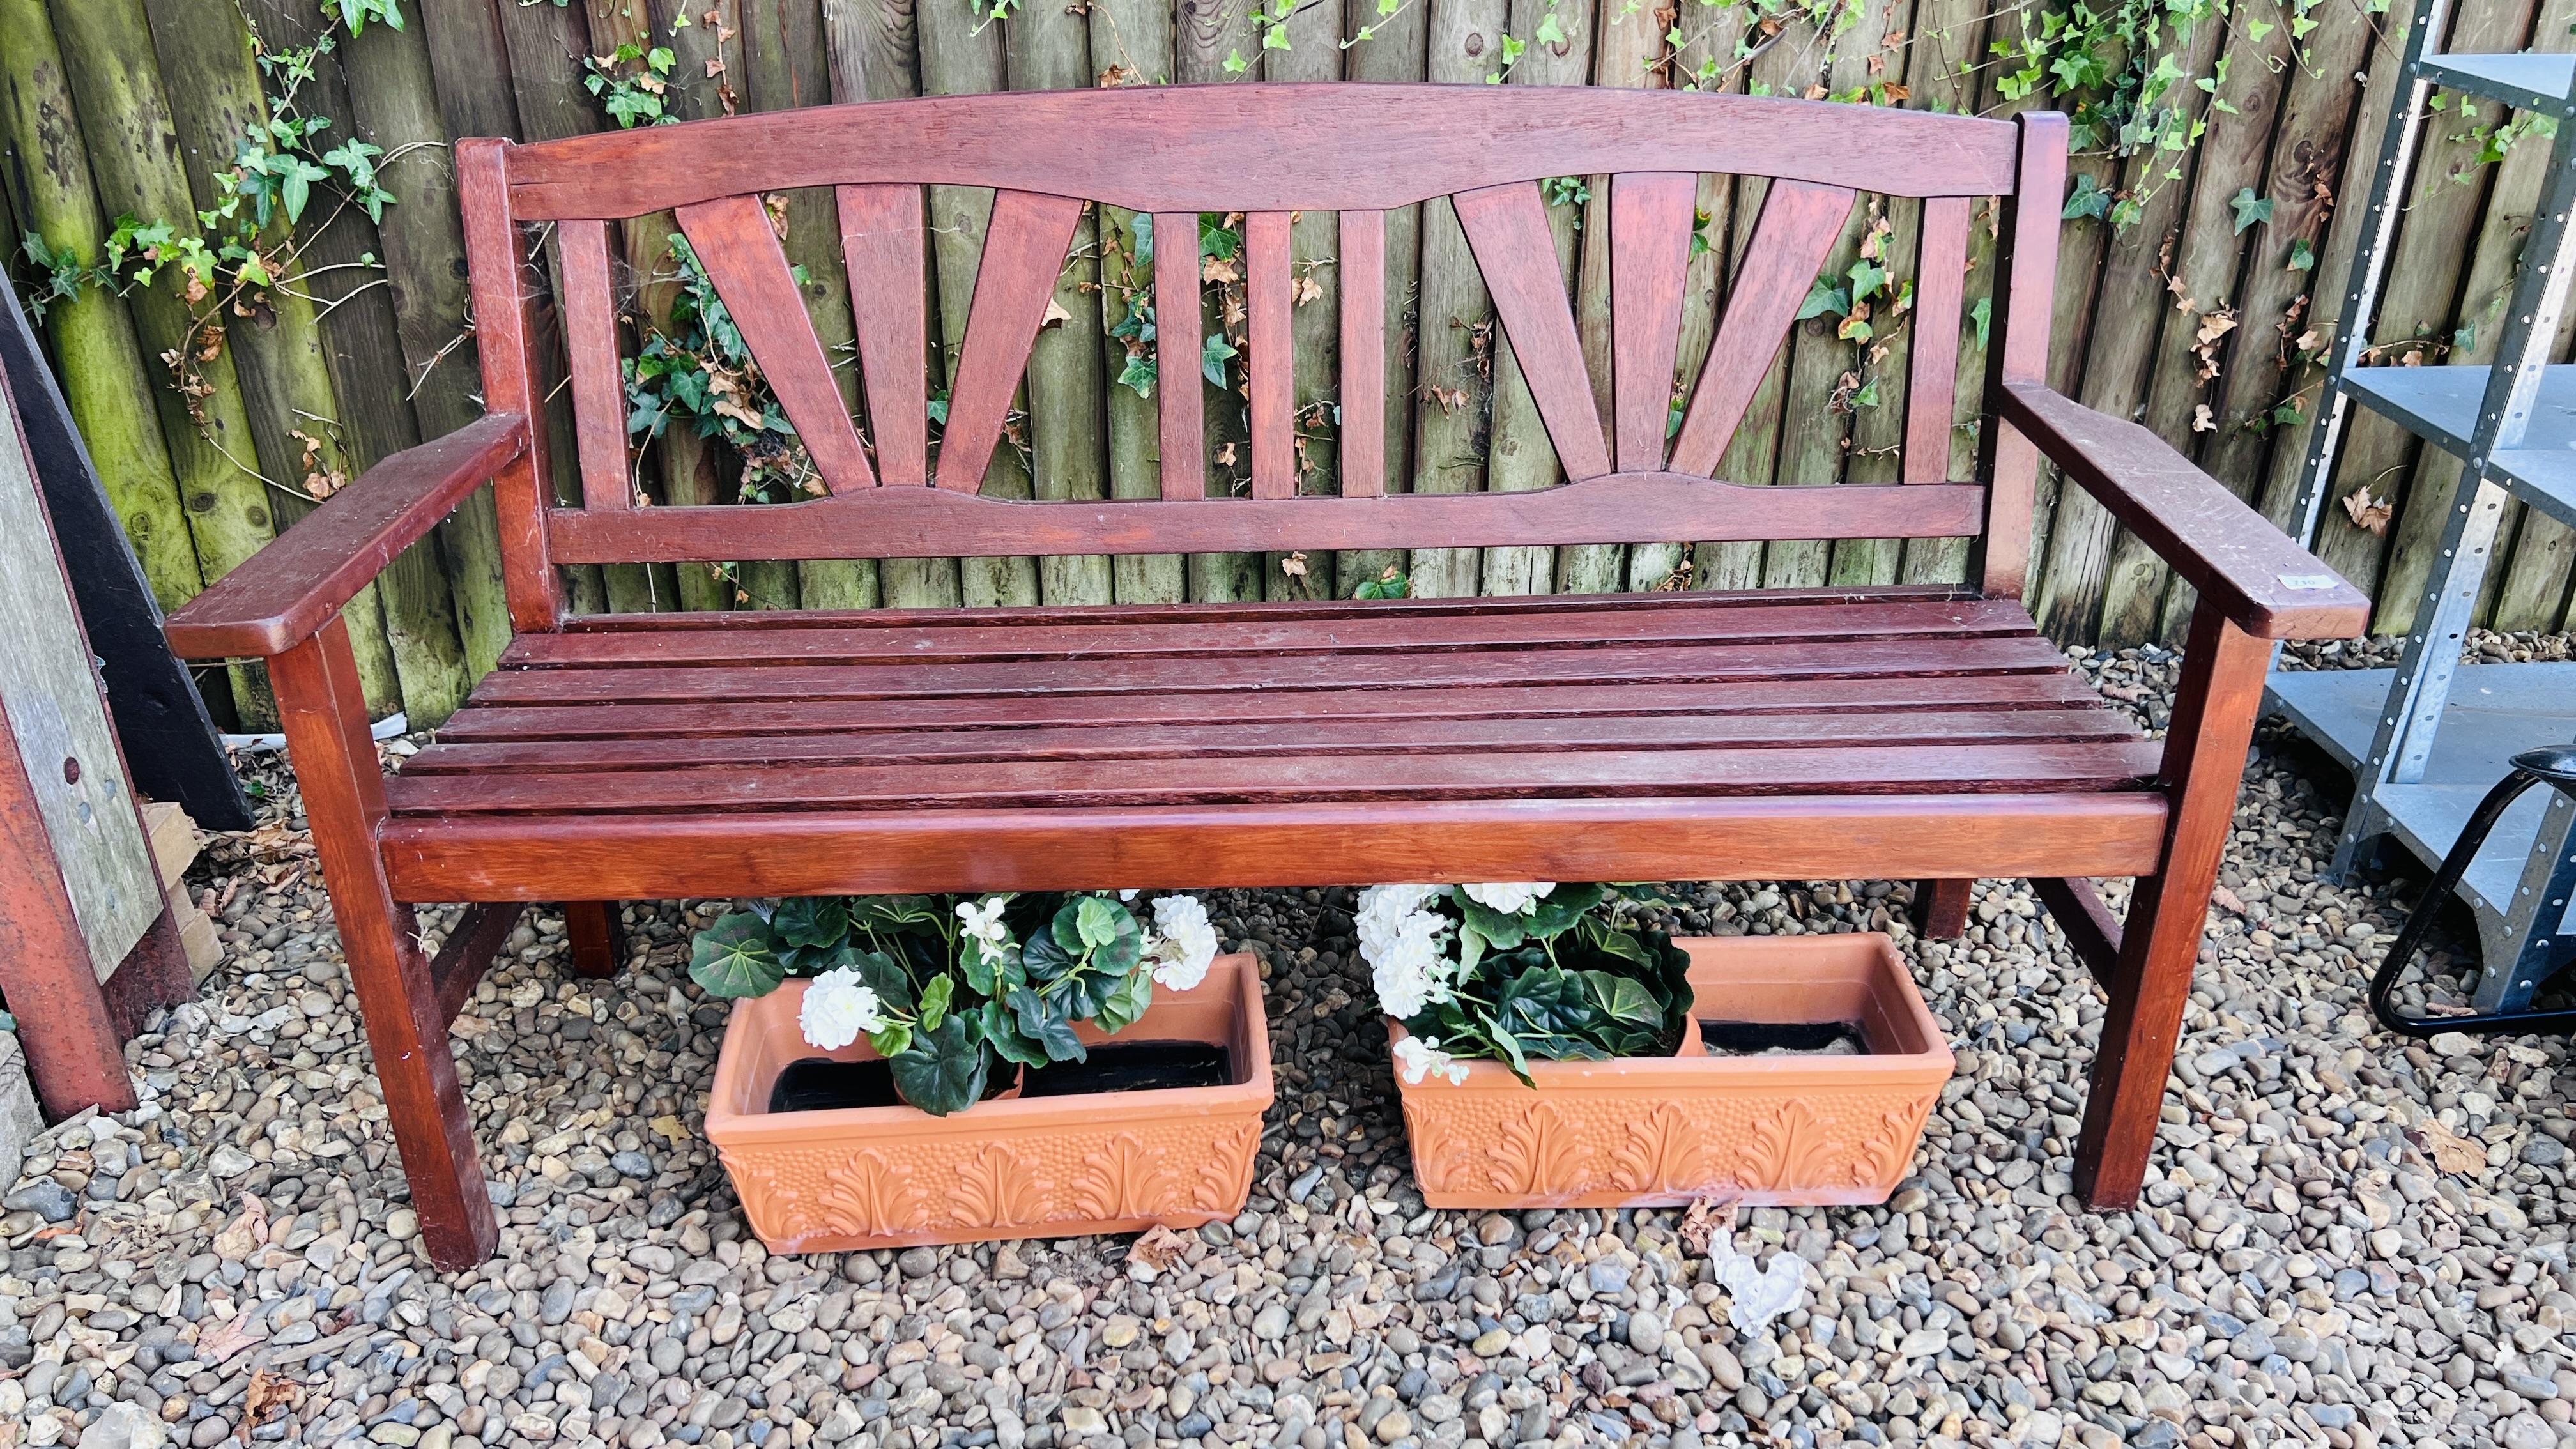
[885, 1177]
[1788, 1130]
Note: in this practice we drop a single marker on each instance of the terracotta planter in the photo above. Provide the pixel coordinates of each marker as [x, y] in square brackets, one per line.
[1661, 1131]
[884, 1177]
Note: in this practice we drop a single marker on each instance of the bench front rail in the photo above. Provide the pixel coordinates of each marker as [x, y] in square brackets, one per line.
[1911, 731]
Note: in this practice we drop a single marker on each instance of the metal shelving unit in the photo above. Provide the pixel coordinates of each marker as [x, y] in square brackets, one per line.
[2424, 741]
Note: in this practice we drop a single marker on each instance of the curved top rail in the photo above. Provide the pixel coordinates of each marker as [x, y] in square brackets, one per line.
[1325, 146]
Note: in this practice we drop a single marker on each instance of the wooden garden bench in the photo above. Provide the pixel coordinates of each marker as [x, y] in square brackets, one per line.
[1924, 732]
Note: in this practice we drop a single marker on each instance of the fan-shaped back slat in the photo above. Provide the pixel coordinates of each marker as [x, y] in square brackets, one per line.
[1797, 230]
[1272, 375]
[590, 344]
[1932, 387]
[1024, 251]
[1651, 214]
[1176, 353]
[743, 258]
[1507, 228]
[1362, 273]
[882, 242]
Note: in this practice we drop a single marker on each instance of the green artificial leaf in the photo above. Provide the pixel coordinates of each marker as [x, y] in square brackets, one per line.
[811, 920]
[1001, 1031]
[983, 975]
[735, 957]
[1551, 914]
[1500, 930]
[943, 1070]
[894, 1039]
[2249, 208]
[890, 914]
[934, 1001]
[884, 976]
[1049, 1030]
[1095, 922]
[1122, 1007]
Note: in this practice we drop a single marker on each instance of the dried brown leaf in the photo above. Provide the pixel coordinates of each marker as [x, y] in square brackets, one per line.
[2450, 1151]
[1158, 1249]
[2368, 512]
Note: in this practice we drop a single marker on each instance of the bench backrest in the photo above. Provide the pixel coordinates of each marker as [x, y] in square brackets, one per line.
[1266, 151]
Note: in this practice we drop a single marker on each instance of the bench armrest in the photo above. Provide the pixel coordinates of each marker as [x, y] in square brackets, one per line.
[282, 595]
[2257, 576]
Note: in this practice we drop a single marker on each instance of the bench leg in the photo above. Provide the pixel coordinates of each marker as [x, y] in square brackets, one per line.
[597, 943]
[2204, 762]
[1941, 908]
[325, 718]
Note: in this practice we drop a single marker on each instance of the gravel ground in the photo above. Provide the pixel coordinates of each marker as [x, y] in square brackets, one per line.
[234, 1260]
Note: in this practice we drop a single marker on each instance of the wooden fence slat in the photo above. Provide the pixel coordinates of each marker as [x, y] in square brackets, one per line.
[876, 55]
[1131, 44]
[1397, 50]
[1048, 47]
[787, 65]
[395, 106]
[2208, 261]
[961, 55]
[1314, 53]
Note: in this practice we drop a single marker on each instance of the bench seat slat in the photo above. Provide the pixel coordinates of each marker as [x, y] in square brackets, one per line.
[1048, 638]
[1390, 740]
[1993, 693]
[1836, 770]
[1217, 677]
[1746, 837]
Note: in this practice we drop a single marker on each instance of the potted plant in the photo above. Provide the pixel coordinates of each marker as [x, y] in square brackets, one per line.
[911, 1069]
[1549, 1049]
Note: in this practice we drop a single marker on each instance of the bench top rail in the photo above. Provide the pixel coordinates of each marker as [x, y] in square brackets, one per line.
[1264, 153]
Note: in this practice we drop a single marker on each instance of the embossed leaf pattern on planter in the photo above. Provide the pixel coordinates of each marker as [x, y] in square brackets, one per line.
[1664, 1152]
[870, 1195]
[1226, 1175]
[1884, 1155]
[1792, 1147]
[999, 1188]
[773, 1206]
[1539, 1152]
[1126, 1180]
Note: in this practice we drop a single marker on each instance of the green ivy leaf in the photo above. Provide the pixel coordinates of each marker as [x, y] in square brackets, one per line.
[2087, 199]
[1822, 298]
[2249, 208]
[1214, 354]
[735, 957]
[2303, 257]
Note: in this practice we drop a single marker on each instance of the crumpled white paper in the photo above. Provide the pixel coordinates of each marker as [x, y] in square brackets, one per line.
[1756, 1295]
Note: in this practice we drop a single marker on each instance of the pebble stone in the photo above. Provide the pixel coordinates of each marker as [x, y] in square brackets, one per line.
[2299, 1270]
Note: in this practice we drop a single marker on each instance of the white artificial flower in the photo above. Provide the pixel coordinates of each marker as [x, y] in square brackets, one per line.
[1401, 939]
[1184, 942]
[839, 1008]
[1510, 899]
[984, 923]
[1420, 1056]
[1128, 897]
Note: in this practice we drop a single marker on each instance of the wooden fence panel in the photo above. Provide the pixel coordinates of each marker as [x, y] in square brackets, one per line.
[384, 357]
